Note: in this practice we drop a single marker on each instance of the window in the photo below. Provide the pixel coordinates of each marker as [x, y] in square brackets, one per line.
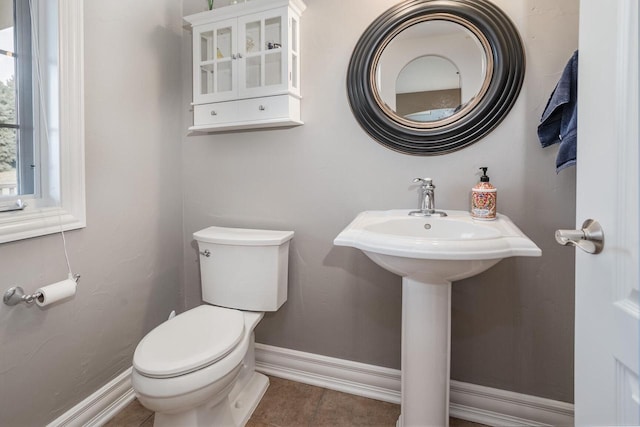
[41, 117]
[17, 165]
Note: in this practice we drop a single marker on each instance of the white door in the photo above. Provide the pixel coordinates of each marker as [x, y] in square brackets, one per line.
[607, 311]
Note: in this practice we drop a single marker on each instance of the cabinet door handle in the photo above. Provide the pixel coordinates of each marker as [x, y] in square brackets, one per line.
[262, 108]
[213, 113]
[239, 56]
[233, 56]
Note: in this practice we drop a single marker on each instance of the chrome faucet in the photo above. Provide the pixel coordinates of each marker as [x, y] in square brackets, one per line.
[427, 199]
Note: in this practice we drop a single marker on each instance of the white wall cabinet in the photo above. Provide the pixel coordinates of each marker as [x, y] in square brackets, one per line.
[246, 65]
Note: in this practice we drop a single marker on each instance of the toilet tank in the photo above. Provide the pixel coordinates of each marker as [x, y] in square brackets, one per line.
[243, 268]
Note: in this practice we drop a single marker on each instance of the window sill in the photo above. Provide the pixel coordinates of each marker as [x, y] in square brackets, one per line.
[18, 225]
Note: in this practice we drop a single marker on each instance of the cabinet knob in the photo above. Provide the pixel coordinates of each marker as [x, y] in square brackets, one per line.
[213, 113]
[239, 56]
[262, 108]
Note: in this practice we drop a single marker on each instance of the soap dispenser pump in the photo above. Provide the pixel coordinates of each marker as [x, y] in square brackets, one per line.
[484, 198]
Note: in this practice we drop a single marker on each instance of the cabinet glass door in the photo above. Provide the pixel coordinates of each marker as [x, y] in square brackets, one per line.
[214, 50]
[264, 47]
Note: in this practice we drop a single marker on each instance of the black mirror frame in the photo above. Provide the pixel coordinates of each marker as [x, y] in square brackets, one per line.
[503, 89]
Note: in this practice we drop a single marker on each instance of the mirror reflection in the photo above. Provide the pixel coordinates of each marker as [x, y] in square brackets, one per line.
[430, 71]
[428, 99]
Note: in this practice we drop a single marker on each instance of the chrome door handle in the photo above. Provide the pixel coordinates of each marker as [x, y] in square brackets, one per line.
[590, 238]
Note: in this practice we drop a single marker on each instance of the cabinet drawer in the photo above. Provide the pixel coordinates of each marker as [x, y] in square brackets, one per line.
[264, 108]
[270, 111]
[221, 112]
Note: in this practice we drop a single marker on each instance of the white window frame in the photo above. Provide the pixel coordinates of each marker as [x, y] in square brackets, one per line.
[66, 161]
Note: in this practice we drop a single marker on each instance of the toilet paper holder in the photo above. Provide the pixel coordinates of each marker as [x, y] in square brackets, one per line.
[16, 295]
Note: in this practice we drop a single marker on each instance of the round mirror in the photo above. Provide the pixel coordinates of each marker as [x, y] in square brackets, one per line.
[433, 76]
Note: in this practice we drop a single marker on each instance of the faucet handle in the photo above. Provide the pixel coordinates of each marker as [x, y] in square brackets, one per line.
[427, 182]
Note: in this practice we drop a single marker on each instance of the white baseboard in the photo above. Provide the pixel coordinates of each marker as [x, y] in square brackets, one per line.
[101, 406]
[497, 407]
[469, 402]
[350, 377]
[485, 405]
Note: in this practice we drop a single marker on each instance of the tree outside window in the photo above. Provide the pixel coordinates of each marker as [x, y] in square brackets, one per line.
[8, 116]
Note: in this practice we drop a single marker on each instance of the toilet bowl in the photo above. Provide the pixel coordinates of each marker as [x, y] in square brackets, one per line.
[198, 368]
[200, 394]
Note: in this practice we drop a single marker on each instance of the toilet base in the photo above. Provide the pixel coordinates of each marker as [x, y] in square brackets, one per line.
[227, 413]
[248, 399]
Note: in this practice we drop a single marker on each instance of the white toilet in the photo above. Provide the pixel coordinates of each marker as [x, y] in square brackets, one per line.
[198, 369]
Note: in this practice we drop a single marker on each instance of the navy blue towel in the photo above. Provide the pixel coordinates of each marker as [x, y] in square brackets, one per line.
[559, 122]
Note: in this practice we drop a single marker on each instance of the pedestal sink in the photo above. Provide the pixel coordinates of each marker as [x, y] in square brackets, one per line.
[429, 253]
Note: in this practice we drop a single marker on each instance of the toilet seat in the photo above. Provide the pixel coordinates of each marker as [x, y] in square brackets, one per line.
[190, 341]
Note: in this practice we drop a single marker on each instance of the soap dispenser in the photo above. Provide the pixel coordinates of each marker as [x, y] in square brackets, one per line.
[484, 198]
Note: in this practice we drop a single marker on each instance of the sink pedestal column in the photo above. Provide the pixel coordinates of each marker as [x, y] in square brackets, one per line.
[426, 348]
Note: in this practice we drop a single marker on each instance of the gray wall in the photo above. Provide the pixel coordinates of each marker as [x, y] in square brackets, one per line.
[512, 326]
[129, 255]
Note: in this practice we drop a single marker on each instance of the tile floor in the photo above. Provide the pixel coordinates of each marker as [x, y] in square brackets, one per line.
[291, 404]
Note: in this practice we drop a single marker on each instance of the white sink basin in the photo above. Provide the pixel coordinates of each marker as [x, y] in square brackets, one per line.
[410, 246]
[429, 253]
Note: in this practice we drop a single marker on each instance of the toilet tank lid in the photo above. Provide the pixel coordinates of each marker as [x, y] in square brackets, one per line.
[242, 236]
